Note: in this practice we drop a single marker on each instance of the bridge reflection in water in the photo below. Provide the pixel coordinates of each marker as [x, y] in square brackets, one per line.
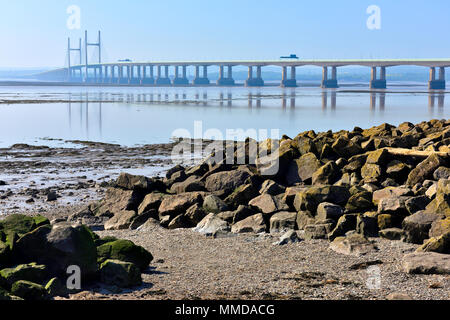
[89, 106]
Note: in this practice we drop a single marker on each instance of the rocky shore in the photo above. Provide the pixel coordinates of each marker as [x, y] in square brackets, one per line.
[361, 214]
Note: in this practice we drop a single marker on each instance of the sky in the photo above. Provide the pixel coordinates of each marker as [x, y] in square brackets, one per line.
[34, 33]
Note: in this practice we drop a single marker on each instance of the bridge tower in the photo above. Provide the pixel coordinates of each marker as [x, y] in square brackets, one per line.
[70, 72]
[94, 44]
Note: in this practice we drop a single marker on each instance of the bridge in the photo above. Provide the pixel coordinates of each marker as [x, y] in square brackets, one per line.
[157, 72]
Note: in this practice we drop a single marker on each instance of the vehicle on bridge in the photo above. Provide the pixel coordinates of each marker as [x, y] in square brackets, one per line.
[291, 56]
[125, 60]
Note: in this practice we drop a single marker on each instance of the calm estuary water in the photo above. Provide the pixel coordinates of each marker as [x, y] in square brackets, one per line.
[133, 116]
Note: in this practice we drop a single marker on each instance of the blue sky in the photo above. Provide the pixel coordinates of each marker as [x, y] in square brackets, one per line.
[34, 33]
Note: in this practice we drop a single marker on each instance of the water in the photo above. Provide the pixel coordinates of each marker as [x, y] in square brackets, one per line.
[134, 116]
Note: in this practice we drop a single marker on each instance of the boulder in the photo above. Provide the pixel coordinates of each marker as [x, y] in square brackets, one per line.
[303, 219]
[139, 220]
[345, 148]
[345, 223]
[29, 290]
[439, 227]
[318, 231]
[119, 273]
[440, 244]
[327, 210]
[393, 205]
[392, 233]
[418, 225]
[290, 236]
[415, 204]
[441, 173]
[192, 183]
[367, 225]
[121, 220]
[302, 169]
[214, 204]
[272, 188]
[242, 195]
[117, 200]
[326, 174]
[389, 192]
[55, 287]
[283, 220]
[178, 204]
[31, 272]
[425, 169]
[174, 169]
[397, 170]
[379, 157]
[354, 244]
[359, 202]
[254, 223]
[426, 263]
[195, 214]
[266, 203]
[124, 250]
[241, 213]
[441, 203]
[152, 201]
[371, 172]
[21, 224]
[58, 247]
[308, 199]
[139, 183]
[226, 181]
[212, 225]
[385, 221]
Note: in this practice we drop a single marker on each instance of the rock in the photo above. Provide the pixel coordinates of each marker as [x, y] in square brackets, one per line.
[30, 272]
[290, 193]
[424, 170]
[226, 181]
[139, 183]
[55, 287]
[119, 273]
[441, 173]
[367, 225]
[392, 233]
[440, 244]
[345, 148]
[359, 202]
[22, 224]
[310, 198]
[431, 191]
[174, 169]
[426, 263]
[393, 205]
[192, 183]
[242, 195]
[241, 213]
[317, 231]
[439, 227]
[371, 172]
[178, 204]
[282, 221]
[228, 216]
[52, 196]
[386, 221]
[418, 225]
[397, 170]
[212, 225]
[327, 210]
[125, 250]
[139, 220]
[214, 204]
[415, 204]
[441, 202]
[355, 163]
[254, 223]
[195, 214]
[29, 290]
[266, 203]
[5, 253]
[290, 236]
[117, 200]
[354, 244]
[152, 201]
[60, 246]
[272, 188]
[326, 174]
[178, 222]
[398, 296]
[304, 218]
[345, 223]
[389, 192]
[302, 169]
[379, 157]
[121, 220]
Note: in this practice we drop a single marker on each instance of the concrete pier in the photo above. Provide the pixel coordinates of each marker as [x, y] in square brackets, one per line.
[329, 82]
[180, 81]
[378, 83]
[150, 79]
[228, 80]
[254, 82]
[288, 83]
[437, 84]
[201, 80]
[163, 80]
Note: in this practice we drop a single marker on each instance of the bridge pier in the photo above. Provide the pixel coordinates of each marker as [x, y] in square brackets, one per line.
[437, 84]
[132, 79]
[376, 83]
[160, 80]
[201, 80]
[288, 83]
[150, 79]
[329, 82]
[254, 82]
[180, 81]
[228, 81]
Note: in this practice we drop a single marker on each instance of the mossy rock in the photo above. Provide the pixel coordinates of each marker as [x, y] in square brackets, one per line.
[5, 254]
[6, 296]
[40, 220]
[124, 250]
[100, 241]
[55, 287]
[120, 273]
[18, 223]
[29, 290]
[359, 202]
[439, 244]
[31, 272]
